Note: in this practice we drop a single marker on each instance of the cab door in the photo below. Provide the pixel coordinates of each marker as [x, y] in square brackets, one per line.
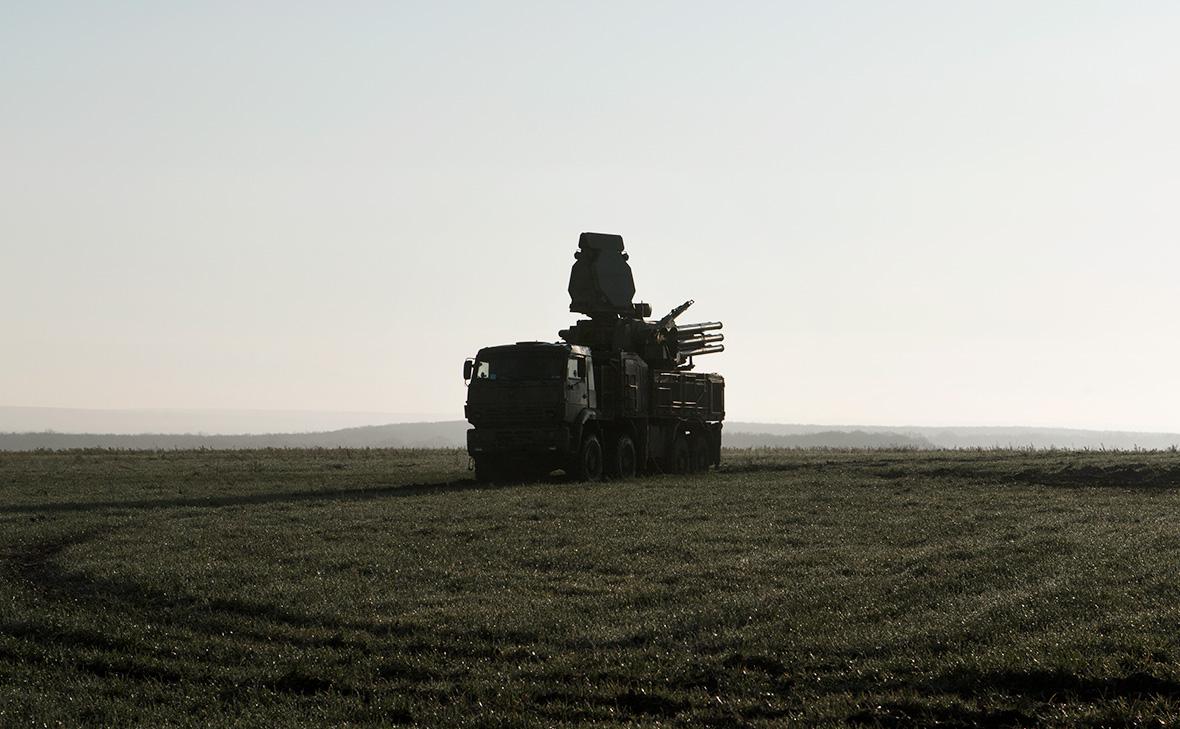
[577, 386]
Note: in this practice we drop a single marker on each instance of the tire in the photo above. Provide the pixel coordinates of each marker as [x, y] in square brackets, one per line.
[700, 453]
[681, 461]
[622, 462]
[588, 465]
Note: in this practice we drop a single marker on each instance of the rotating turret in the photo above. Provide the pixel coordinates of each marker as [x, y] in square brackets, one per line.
[602, 286]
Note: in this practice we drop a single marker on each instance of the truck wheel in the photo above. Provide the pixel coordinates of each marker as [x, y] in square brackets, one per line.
[588, 466]
[680, 456]
[622, 459]
[700, 453]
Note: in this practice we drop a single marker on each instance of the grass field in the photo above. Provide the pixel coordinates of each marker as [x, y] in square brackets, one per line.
[385, 587]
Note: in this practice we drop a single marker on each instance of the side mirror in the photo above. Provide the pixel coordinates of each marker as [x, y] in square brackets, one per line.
[468, 369]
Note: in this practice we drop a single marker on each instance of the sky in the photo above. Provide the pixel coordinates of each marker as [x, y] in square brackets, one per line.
[921, 213]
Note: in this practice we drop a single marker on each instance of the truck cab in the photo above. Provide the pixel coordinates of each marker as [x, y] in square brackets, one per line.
[528, 403]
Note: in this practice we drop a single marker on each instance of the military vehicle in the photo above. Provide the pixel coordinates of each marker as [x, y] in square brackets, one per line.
[617, 396]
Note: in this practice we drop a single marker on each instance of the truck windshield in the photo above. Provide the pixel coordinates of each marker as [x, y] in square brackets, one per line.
[511, 367]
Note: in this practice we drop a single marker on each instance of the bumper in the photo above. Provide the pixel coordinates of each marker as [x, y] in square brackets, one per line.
[552, 439]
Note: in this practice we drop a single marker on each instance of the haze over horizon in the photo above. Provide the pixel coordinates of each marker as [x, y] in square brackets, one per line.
[920, 214]
[198, 420]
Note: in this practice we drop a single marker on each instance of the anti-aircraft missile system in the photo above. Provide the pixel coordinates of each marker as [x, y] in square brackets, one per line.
[602, 287]
[616, 396]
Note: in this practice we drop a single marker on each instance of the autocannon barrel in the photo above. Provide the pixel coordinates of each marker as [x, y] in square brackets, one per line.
[699, 340]
[704, 350]
[689, 329]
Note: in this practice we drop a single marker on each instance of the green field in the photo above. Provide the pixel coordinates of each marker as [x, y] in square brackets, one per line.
[385, 587]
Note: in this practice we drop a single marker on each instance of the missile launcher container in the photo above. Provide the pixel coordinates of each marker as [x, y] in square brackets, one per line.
[616, 397]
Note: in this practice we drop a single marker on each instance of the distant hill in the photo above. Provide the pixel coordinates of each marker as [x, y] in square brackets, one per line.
[449, 434]
[211, 421]
[825, 439]
[452, 434]
[978, 437]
